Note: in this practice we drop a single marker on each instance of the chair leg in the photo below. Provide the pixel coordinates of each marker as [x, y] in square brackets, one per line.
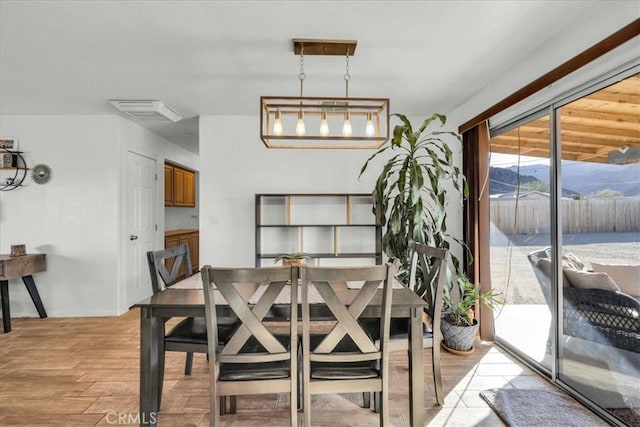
[223, 404]
[366, 399]
[160, 376]
[188, 365]
[376, 402]
[232, 404]
[382, 407]
[437, 376]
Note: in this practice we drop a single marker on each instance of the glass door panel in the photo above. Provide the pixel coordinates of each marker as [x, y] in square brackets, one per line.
[520, 211]
[600, 210]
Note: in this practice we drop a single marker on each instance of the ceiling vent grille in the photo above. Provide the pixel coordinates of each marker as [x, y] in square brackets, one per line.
[146, 110]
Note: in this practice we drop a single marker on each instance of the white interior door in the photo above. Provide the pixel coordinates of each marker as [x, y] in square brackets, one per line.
[140, 224]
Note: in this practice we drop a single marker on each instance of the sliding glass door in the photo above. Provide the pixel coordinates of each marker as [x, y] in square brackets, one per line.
[600, 210]
[520, 209]
[565, 241]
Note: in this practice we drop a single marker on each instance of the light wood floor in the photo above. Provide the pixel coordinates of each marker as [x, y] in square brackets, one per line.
[84, 372]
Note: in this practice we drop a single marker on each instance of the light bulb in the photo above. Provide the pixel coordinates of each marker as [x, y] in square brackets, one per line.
[300, 129]
[346, 128]
[369, 130]
[277, 124]
[324, 125]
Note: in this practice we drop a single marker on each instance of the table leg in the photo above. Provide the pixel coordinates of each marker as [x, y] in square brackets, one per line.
[416, 369]
[150, 327]
[6, 314]
[35, 296]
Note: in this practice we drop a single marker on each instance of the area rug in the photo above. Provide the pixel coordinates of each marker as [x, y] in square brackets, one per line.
[536, 407]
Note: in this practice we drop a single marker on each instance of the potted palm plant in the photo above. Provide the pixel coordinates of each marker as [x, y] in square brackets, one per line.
[413, 189]
[459, 326]
[292, 258]
[410, 197]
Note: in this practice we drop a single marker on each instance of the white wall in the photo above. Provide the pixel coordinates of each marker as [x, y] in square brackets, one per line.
[73, 218]
[76, 219]
[235, 165]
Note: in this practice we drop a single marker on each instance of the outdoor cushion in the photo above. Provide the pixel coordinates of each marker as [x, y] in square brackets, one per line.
[569, 260]
[544, 264]
[627, 277]
[590, 280]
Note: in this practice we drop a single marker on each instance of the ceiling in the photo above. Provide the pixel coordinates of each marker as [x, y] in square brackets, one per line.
[590, 127]
[218, 57]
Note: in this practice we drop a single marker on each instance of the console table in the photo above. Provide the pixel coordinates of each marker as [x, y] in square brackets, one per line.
[20, 266]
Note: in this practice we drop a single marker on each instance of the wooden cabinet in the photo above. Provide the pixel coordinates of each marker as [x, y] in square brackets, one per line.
[179, 186]
[189, 237]
[168, 185]
[334, 229]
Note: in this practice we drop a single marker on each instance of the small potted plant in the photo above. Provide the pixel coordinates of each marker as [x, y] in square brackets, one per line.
[459, 327]
[292, 259]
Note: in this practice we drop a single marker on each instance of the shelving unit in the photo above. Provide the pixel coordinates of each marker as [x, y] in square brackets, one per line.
[334, 229]
[13, 169]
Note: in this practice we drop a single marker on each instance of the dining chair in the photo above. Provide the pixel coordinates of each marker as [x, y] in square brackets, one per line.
[254, 360]
[427, 277]
[346, 359]
[190, 334]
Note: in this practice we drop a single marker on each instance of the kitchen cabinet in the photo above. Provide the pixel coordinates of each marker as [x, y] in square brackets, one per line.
[191, 238]
[168, 185]
[179, 186]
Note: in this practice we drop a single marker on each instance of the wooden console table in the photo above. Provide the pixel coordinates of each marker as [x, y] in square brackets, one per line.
[20, 266]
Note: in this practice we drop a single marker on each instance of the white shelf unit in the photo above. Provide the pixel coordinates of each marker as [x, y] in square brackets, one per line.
[334, 229]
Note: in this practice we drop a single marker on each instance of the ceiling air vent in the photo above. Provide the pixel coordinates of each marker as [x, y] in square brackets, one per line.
[146, 110]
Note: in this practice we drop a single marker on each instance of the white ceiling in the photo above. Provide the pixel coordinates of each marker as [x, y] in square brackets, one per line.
[218, 57]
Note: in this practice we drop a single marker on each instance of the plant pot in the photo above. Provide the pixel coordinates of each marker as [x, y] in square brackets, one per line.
[459, 338]
[294, 262]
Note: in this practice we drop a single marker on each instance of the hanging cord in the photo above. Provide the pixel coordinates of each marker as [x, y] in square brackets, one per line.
[302, 75]
[347, 76]
[509, 257]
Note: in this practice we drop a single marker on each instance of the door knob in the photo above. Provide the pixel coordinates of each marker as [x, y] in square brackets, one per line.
[133, 237]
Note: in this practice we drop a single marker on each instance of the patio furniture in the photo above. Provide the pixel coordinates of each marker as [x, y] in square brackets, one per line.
[346, 359]
[606, 316]
[253, 360]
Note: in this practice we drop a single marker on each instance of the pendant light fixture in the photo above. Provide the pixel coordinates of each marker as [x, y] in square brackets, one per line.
[307, 122]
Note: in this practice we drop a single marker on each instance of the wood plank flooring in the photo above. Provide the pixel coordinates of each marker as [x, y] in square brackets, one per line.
[84, 372]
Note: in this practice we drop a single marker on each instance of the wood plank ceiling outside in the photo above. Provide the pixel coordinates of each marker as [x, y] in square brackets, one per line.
[590, 126]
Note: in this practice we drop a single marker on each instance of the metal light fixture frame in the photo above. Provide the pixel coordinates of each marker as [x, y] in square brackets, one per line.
[289, 108]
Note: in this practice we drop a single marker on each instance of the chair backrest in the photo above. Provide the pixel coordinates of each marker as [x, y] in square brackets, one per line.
[171, 265]
[250, 311]
[428, 277]
[346, 308]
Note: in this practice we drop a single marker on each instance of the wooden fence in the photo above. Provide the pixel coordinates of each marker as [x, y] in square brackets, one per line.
[578, 216]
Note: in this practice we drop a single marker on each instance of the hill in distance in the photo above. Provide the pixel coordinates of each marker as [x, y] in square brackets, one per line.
[581, 177]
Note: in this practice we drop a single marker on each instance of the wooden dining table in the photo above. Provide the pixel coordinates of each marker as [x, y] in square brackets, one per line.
[186, 299]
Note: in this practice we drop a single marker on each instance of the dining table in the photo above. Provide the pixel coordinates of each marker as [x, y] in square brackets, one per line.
[186, 299]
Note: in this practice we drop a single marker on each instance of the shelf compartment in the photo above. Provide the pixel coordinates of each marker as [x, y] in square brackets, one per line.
[276, 240]
[327, 209]
[361, 210]
[273, 210]
[355, 239]
[318, 239]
